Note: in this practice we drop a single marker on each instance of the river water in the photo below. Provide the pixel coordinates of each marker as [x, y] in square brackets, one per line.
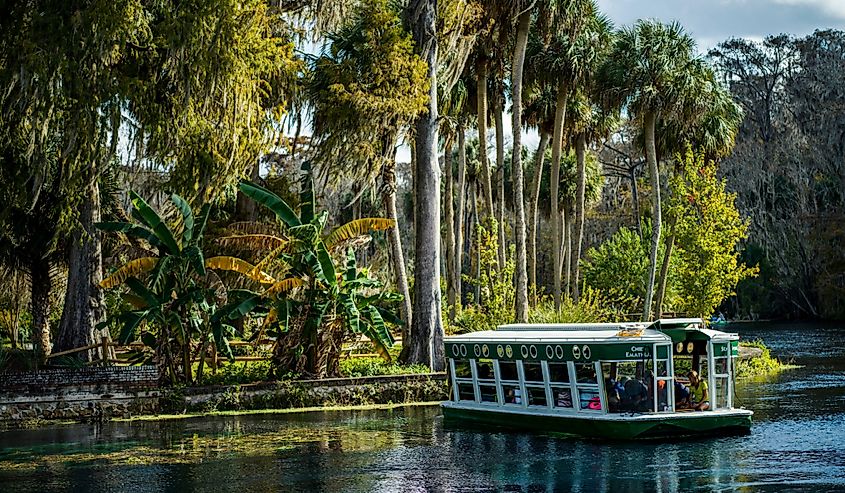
[797, 443]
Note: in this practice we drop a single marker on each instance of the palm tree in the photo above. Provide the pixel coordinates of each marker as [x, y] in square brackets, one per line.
[648, 70]
[360, 108]
[567, 23]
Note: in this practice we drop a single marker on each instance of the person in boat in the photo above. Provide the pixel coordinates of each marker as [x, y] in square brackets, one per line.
[681, 396]
[615, 391]
[636, 395]
[698, 392]
[514, 396]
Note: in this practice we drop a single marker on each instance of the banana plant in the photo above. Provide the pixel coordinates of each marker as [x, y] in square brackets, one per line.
[172, 292]
[333, 299]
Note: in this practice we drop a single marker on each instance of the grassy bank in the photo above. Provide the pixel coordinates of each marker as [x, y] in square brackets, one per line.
[759, 366]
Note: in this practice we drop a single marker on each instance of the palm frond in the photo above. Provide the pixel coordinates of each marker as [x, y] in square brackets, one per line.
[355, 228]
[133, 268]
[242, 267]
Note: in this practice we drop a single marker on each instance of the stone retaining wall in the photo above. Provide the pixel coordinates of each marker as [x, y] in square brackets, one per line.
[91, 393]
[102, 393]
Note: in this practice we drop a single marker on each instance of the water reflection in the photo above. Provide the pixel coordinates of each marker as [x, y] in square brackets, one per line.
[797, 442]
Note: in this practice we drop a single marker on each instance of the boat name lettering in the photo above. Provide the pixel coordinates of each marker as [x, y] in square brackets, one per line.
[638, 352]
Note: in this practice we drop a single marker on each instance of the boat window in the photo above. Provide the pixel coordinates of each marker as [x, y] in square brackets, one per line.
[537, 396]
[559, 372]
[562, 397]
[512, 393]
[484, 367]
[462, 368]
[507, 371]
[488, 393]
[533, 372]
[629, 391]
[585, 373]
[720, 365]
[466, 392]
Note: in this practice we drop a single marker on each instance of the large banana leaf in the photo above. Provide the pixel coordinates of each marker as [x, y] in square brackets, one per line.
[152, 220]
[252, 242]
[133, 268]
[376, 331]
[240, 266]
[350, 312]
[201, 222]
[284, 286]
[327, 264]
[271, 201]
[196, 259]
[187, 218]
[356, 227]
[139, 289]
[130, 322]
[129, 229]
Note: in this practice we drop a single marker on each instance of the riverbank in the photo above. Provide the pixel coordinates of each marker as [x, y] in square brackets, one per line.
[756, 361]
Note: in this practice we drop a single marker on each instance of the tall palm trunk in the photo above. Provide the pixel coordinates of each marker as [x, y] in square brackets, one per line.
[426, 338]
[557, 226]
[533, 201]
[664, 269]
[388, 195]
[518, 195]
[460, 213]
[500, 176]
[83, 308]
[635, 197]
[568, 222]
[40, 287]
[651, 157]
[449, 216]
[580, 211]
[481, 88]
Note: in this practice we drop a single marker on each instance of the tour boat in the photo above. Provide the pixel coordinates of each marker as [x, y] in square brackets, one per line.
[602, 380]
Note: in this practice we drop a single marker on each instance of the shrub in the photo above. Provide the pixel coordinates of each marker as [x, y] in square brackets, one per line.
[369, 367]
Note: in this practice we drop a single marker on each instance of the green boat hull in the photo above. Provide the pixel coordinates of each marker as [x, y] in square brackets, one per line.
[611, 427]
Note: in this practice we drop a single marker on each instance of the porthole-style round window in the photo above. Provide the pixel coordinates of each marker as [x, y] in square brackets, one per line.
[559, 352]
[550, 352]
[463, 350]
[500, 350]
[533, 351]
[523, 350]
[576, 352]
[477, 350]
[456, 351]
[485, 350]
[586, 352]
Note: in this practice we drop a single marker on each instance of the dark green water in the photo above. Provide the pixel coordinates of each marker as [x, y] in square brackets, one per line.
[797, 443]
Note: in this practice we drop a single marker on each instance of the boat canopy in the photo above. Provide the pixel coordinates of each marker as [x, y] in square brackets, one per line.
[690, 329]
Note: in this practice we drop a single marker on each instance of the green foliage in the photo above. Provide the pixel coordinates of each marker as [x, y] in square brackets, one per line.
[618, 268]
[366, 88]
[370, 367]
[333, 298]
[173, 297]
[236, 373]
[758, 366]
[708, 229]
[593, 307]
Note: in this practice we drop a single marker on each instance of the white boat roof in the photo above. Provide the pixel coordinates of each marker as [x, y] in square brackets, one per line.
[593, 332]
[560, 335]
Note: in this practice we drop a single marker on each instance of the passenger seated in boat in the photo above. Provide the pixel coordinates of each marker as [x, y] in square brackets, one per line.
[698, 392]
[636, 396]
[615, 391]
[681, 396]
[514, 396]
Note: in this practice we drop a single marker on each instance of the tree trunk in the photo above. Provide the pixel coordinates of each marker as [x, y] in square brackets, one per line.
[651, 157]
[557, 227]
[40, 287]
[83, 307]
[533, 202]
[388, 193]
[664, 269]
[244, 206]
[635, 192]
[580, 211]
[481, 87]
[568, 220]
[474, 234]
[500, 177]
[449, 214]
[518, 186]
[426, 337]
[459, 230]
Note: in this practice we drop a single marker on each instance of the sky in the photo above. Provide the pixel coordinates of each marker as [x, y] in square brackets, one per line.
[713, 21]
